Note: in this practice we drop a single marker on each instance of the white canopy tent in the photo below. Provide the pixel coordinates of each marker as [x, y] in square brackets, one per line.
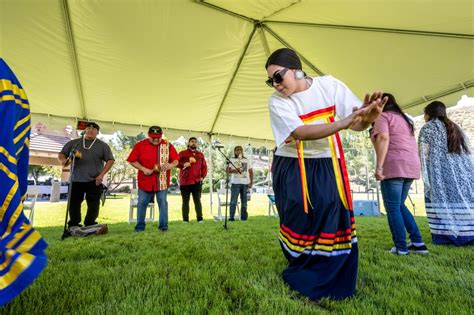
[197, 67]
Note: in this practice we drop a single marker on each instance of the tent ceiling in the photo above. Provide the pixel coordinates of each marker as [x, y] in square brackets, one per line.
[197, 66]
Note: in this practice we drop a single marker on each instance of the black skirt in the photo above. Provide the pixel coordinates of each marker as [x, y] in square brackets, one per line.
[321, 245]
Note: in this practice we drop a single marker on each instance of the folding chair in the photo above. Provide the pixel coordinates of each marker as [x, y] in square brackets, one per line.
[134, 205]
[221, 206]
[30, 201]
[271, 203]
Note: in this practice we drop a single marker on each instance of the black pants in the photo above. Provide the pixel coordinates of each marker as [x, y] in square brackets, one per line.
[186, 191]
[92, 193]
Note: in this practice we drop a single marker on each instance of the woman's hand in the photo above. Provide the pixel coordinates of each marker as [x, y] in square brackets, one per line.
[379, 173]
[373, 105]
[352, 119]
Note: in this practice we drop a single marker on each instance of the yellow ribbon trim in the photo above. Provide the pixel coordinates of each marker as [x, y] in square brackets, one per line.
[304, 181]
[337, 170]
[316, 246]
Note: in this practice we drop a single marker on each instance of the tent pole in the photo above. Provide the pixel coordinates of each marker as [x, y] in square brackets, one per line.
[70, 36]
[241, 59]
[211, 169]
[375, 29]
[218, 8]
[263, 38]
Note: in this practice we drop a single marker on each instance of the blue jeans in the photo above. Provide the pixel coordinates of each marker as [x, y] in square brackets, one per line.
[394, 193]
[235, 191]
[144, 198]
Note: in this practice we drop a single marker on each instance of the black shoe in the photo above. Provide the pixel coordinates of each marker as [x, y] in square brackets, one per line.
[164, 230]
[423, 250]
[231, 219]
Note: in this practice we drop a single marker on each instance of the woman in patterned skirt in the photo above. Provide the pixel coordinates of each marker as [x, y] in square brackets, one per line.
[448, 175]
[312, 194]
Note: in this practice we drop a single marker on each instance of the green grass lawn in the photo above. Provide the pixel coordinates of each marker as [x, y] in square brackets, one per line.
[202, 268]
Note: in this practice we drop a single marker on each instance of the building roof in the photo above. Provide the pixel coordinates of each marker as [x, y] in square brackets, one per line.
[47, 142]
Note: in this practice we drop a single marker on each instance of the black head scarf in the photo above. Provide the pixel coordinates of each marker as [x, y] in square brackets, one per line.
[284, 57]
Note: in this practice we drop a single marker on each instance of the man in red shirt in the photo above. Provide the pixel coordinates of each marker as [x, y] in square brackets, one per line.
[193, 169]
[153, 158]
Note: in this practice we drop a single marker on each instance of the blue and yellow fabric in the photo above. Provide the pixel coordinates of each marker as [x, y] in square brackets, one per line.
[22, 256]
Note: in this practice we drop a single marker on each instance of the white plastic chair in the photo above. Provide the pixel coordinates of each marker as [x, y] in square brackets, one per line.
[134, 205]
[30, 201]
[271, 203]
[221, 206]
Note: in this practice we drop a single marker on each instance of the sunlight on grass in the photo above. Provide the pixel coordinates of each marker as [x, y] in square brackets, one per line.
[116, 210]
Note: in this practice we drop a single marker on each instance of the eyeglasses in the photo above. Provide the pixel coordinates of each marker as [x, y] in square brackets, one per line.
[277, 77]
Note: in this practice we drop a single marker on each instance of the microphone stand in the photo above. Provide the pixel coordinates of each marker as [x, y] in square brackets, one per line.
[72, 158]
[228, 162]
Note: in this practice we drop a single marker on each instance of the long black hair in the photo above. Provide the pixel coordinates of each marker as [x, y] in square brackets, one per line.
[392, 106]
[456, 141]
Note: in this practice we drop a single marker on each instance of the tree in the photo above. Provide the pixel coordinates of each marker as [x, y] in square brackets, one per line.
[220, 164]
[36, 171]
[121, 171]
[179, 145]
[360, 158]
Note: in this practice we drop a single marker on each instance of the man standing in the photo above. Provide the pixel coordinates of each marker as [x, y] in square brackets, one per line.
[153, 158]
[89, 172]
[193, 169]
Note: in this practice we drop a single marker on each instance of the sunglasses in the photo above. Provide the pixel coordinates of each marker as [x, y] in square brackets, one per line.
[277, 77]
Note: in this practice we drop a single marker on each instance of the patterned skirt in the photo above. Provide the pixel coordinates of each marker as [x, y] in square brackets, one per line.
[321, 245]
[451, 222]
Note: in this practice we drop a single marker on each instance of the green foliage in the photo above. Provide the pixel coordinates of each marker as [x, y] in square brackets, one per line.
[220, 164]
[36, 171]
[260, 175]
[360, 158]
[121, 146]
[205, 187]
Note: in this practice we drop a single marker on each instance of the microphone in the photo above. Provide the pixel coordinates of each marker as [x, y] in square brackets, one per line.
[72, 153]
[217, 145]
[74, 149]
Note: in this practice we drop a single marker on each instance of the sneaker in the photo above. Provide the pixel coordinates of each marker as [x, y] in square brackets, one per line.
[422, 249]
[202, 221]
[164, 229]
[231, 219]
[395, 251]
[139, 231]
[186, 222]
